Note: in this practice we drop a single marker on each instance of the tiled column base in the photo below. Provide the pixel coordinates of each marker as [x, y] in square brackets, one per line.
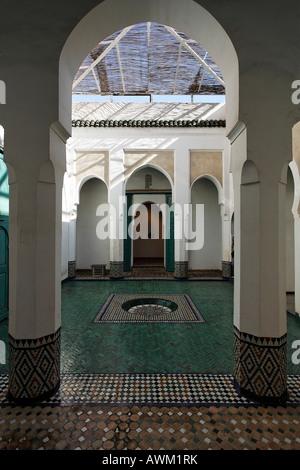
[260, 367]
[116, 269]
[71, 269]
[226, 269]
[34, 368]
[181, 270]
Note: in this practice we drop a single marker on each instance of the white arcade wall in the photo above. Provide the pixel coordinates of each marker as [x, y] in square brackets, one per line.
[210, 256]
[90, 248]
[202, 191]
[116, 153]
[290, 236]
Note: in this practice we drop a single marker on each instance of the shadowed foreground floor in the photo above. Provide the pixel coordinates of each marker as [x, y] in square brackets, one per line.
[87, 413]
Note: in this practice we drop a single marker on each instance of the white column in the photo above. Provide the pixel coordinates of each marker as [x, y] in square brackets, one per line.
[35, 260]
[297, 262]
[259, 283]
[296, 214]
[181, 198]
[226, 241]
[226, 212]
[71, 208]
[295, 167]
[115, 198]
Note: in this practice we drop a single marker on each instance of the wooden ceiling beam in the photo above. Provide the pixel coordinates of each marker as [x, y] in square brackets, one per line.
[120, 68]
[188, 48]
[177, 67]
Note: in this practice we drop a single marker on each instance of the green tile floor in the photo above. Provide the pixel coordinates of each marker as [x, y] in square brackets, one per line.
[147, 347]
[133, 348]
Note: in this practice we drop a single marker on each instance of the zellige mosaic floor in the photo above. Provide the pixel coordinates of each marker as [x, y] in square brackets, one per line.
[150, 386]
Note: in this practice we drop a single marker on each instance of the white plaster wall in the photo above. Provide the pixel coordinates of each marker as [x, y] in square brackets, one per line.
[290, 237]
[210, 256]
[148, 139]
[65, 250]
[180, 141]
[90, 249]
[65, 235]
[69, 200]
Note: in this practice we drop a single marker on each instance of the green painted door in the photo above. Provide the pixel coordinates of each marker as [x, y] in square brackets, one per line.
[3, 273]
[127, 240]
[170, 246]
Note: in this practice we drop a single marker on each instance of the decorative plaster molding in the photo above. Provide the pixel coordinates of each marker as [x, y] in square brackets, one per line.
[60, 130]
[236, 131]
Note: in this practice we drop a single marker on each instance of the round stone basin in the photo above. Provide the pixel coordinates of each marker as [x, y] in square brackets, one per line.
[149, 306]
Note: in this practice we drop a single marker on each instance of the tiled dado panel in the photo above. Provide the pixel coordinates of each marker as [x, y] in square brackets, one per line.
[71, 269]
[226, 269]
[260, 367]
[116, 269]
[181, 269]
[34, 367]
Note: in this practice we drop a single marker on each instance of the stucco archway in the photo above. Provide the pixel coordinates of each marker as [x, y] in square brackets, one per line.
[113, 15]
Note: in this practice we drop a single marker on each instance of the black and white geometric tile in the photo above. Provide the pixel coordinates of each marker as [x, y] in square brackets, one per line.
[35, 365]
[150, 389]
[260, 364]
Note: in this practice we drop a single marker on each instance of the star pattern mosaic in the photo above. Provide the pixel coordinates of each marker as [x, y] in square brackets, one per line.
[112, 310]
[150, 428]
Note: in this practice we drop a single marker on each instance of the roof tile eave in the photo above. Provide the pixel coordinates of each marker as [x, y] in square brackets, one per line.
[149, 123]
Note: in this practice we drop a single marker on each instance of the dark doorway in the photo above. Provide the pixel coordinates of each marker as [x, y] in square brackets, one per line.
[150, 251]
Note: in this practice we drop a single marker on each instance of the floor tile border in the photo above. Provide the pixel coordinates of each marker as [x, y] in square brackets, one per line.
[169, 389]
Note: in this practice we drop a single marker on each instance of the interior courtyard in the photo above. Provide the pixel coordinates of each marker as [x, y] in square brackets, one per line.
[150, 226]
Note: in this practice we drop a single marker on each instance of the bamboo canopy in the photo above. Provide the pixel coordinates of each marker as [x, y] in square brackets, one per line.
[148, 59]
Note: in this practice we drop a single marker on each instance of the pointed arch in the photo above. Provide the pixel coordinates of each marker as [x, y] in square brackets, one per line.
[91, 248]
[83, 181]
[206, 190]
[155, 167]
[217, 184]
